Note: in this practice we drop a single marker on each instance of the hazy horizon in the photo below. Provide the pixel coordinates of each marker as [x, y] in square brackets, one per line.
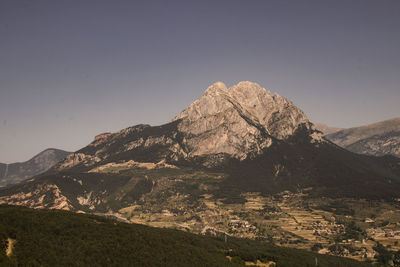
[72, 70]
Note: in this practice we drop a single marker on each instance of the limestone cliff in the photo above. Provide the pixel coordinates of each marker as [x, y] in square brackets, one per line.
[241, 120]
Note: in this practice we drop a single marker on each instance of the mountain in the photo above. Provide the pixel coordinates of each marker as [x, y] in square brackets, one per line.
[17, 172]
[240, 162]
[326, 129]
[59, 238]
[241, 121]
[378, 139]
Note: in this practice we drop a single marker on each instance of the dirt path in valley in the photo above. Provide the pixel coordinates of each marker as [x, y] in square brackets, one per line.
[10, 246]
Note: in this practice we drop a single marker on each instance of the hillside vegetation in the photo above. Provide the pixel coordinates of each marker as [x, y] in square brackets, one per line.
[60, 238]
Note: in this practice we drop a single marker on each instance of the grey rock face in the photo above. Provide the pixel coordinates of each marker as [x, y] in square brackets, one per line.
[241, 120]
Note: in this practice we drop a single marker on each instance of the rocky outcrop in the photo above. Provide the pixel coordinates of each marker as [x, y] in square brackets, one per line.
[100, 138]
[43, 196]
[76, 159]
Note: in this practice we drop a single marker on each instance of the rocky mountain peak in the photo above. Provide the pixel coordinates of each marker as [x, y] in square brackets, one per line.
[249, 89]
[216, 89]
[240, 120]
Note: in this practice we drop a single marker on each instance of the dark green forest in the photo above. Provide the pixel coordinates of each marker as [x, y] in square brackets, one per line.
[60, 238]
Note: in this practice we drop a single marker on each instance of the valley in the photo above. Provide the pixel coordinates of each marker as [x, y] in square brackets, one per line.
[341, 227]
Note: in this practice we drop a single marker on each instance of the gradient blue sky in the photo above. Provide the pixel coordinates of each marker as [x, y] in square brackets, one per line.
[72, 69]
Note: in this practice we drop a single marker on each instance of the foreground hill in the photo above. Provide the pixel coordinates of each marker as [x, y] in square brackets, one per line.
[17, 172]
[378, 139]
[58, 238]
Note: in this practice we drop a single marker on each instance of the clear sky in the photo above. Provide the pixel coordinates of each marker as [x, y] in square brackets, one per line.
[72, 69]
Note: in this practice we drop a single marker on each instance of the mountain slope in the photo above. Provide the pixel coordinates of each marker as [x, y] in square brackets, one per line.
[49, 238]
[381, 138]
[16, 172]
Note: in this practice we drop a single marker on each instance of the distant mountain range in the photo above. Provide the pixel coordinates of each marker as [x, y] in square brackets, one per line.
[378, 139]
[17, 172]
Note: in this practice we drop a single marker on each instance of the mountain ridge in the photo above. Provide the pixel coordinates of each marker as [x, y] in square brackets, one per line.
[379, 138]
[16, 172]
